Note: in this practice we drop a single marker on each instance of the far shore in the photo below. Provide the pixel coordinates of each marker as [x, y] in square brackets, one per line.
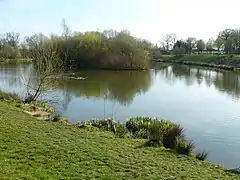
[226, 62]
[18, 60]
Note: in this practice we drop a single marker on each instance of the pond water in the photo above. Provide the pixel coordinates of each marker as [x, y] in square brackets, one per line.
[206, 102]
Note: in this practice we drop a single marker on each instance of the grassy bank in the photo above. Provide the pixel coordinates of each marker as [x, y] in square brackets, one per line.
[19, 60]
[34, 149]
[228, 62]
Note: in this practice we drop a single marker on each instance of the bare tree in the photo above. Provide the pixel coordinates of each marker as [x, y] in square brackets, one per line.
[46, 65]
[174, 38]
[110, 33]
[12, 39]
[168, 41]
[66, 32]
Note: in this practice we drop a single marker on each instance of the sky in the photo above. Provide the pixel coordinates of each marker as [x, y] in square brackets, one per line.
[149, 19]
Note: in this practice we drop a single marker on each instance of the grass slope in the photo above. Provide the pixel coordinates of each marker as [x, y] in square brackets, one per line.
[34, 149]
[204, 58]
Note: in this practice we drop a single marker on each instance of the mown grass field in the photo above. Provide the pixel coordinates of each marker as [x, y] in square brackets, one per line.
[200, 57]
[35, 149]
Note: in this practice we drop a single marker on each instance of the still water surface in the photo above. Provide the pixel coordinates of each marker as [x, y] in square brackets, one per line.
[206, 102]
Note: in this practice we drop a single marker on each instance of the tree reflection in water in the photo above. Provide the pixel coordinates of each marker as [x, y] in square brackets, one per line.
[224, 81]
[119, 86]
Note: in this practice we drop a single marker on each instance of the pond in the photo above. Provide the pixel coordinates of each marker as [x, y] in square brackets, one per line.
[204, 101]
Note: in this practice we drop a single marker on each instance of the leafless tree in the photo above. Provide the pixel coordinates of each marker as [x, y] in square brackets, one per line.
[12, 39]
[47, 64]
[110, 33]
[66, 32]
[168, 41]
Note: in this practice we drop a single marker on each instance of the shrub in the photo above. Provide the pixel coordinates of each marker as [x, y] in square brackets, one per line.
[202, 155]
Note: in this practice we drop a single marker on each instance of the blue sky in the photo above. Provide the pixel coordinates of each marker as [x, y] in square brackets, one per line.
[149, 19]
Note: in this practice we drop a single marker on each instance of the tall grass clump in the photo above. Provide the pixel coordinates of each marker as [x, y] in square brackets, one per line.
[202, 155]
[155, 136]
[121, 131]
[157, 132]
[106, 124]
[185, 147]
[170, 135]
[139, 126]
[161, 133]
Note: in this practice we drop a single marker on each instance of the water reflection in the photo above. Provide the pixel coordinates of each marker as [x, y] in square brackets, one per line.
[224, 81]
[124, 86]
[111, 85]
[12, 77]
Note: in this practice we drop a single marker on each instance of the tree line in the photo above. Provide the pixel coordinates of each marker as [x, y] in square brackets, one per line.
[227, 41]
[92, 49]
[109, 48]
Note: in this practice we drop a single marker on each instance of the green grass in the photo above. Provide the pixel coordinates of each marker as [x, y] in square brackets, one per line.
[228, 62]
[35, 149]
[201, 57]
[9, 97]
[18, 60]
